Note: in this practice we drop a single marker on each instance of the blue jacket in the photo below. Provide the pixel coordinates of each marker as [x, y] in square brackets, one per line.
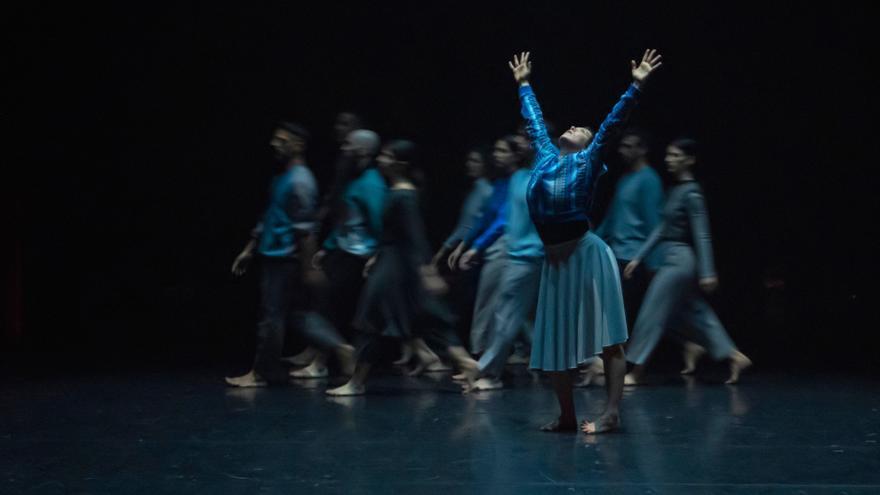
[561, 187]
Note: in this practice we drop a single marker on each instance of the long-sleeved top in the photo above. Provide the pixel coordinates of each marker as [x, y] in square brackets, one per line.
[359, 227]
[514, 222]
[685, 221]
[470, 212]
[491, 224]
[634, 214]
[290, 215]
[561, 186]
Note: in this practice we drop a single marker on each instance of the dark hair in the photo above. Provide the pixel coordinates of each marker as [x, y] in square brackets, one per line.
[404, 151]
[295, 129]
[356, 118]
[688, 146]
[642, 135]
[521, 149]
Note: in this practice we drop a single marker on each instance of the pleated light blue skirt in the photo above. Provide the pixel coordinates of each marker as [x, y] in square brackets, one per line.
[580, 305]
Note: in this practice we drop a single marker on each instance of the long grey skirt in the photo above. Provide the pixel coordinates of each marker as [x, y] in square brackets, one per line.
[580, 305]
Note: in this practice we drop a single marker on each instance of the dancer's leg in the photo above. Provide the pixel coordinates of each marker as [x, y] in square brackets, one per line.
[519, 294]
[487, 296]
[704, 327]
[277, 279]
[668, 290]
[615, 369]
[562, 385]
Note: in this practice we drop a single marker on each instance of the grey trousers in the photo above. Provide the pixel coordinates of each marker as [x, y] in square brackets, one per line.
[674, 302]
[487, 295]
[517, 298]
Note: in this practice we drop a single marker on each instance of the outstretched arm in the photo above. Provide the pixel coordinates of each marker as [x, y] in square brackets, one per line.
[531, 111]
[616, 120]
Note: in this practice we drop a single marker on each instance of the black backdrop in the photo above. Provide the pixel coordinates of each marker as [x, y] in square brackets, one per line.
[139, 160]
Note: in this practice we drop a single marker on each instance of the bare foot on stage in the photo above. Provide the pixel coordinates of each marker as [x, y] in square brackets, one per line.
[692, 353]
[738, 362]
[304, 358]
[605, 424]
[347, 389]
[632, 379]
[560, 425]
[252, 379]
[483, 384]
[347, 360]
[313, 370]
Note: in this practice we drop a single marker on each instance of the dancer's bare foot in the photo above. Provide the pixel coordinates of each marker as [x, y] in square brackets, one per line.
[406, 354]
[560, 425]
[347, 361]
[347, 389]
[313, 370]
[738, 362]
[632, 379]
[304, 358]
[606, 423]
[437, 366]
[251, 379]
[691, 354]
[482, 384]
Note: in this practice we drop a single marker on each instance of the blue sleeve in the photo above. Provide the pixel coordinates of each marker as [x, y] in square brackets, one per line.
[611, 127]
[483, 220]
[494, 231]
[470, 217]
[535, 125]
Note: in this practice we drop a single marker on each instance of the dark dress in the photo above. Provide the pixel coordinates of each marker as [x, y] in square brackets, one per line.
[394, 303]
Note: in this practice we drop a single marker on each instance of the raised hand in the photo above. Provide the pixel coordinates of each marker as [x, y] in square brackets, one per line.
[651, 61]
[521, 67]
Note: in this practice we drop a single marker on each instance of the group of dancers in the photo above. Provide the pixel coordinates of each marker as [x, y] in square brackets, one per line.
[524, 247]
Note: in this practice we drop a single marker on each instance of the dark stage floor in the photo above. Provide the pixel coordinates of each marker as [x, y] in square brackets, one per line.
[156, 433]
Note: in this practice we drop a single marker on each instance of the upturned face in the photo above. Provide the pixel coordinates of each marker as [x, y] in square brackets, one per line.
[575, 138]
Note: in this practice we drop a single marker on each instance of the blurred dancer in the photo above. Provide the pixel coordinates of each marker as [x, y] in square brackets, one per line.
[674, 294]
[580, 305]
[487, 242]
[353, 240]
[632, 216]
[520, 279]
[398, 297]
[283, 242]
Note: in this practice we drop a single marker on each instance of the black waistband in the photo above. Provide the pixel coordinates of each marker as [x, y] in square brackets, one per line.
[557, 233]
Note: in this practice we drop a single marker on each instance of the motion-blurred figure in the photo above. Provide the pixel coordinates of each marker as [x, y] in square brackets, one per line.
[674, 297]
[398, 301]
[284, 242]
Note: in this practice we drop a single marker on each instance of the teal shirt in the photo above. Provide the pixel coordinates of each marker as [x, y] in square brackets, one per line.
[634, 213]
[522, 238]
[359, 227]
[290, 215]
